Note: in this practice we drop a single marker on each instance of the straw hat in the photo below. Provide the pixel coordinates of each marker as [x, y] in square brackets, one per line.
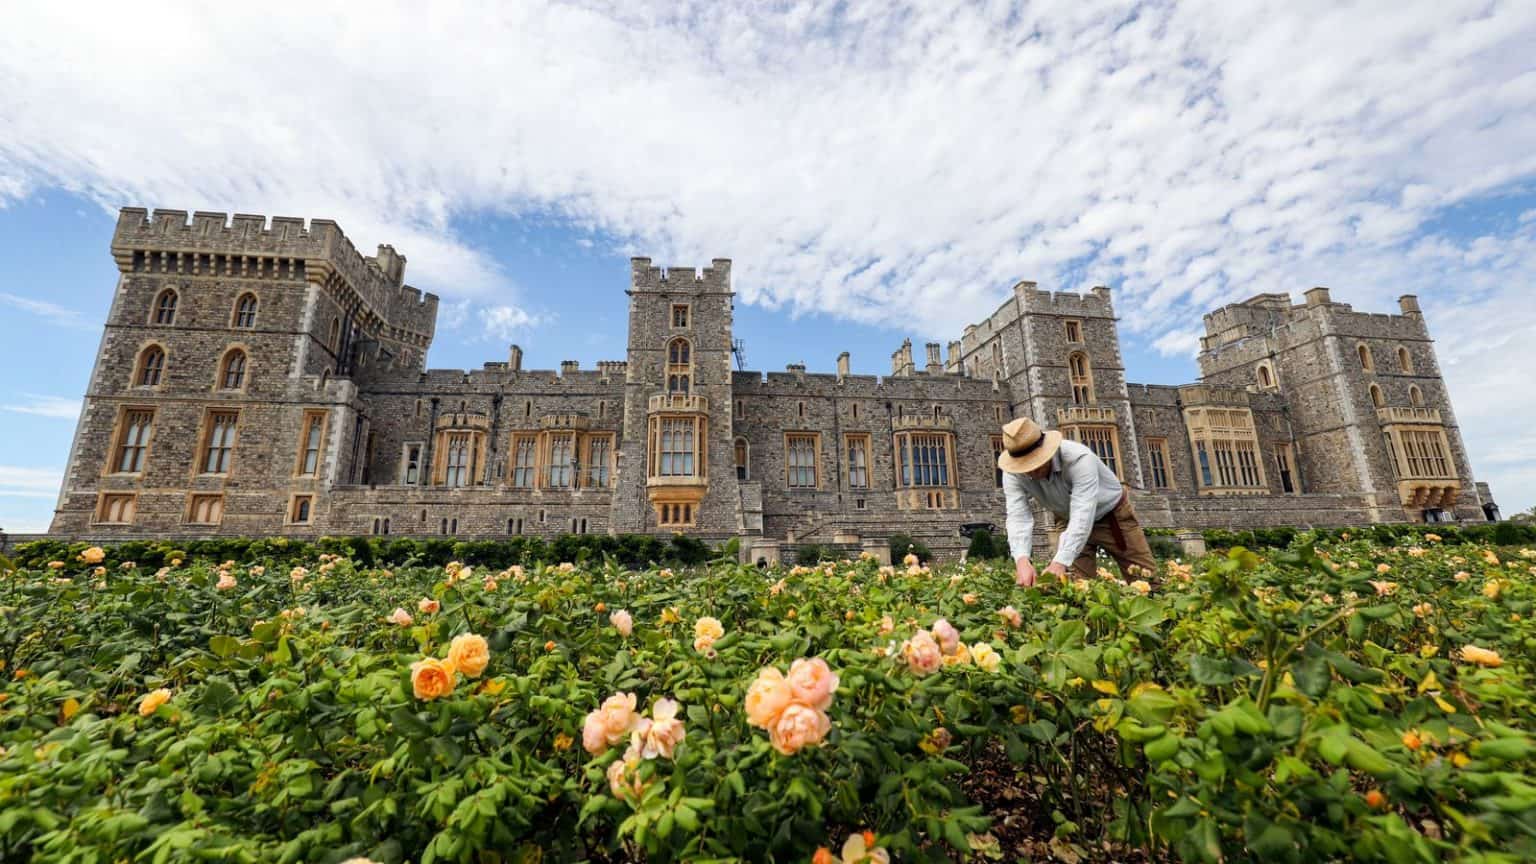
[1026, 446]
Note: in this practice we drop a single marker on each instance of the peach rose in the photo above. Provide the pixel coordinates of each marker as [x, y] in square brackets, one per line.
[659, 734]
[767, 698]
[297, 574]
[226, 581]
[922, 653]
[812, 682]
[946, 634]
[153, 700]
[910, 560]
[705, 645]
[469, 654]
[609, 724]
[93, 555]
[1142, 587]
[1383, 588]
[886, 625]
[400, 617]
[428, 606]
[622, 622]
[432, 678]
[1012, 616]
[798, 726]
[861, 849]
[624, 778]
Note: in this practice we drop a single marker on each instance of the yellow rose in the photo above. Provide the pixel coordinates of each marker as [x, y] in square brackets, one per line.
[93, 555]
[708, 627]
[985, 657]
[432, 678]
[153, 700]
[1482, 656]
[1492, 588]
[469, 654]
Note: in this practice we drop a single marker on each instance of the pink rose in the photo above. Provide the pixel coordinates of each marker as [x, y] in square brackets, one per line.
[947, 635]
[812, 682]
[609, 724]
[400, 617]
[428, 606]
[660, 734]
[798, 726]
[622, 622]
[886, 625]
[922, 653]
[767, 698]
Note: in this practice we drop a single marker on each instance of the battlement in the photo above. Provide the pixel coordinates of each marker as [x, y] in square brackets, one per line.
[1267, 315]
[251, 246]
[1096, 303]
[716, 278]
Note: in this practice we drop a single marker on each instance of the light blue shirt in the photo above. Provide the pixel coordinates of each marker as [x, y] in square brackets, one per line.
[1080, 489]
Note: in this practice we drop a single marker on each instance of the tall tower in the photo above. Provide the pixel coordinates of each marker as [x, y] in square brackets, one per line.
[675, 469]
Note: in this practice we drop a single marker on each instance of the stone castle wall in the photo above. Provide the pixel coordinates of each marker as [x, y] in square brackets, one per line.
[340, 336]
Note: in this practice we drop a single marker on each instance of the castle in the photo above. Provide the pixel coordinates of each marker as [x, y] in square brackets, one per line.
[261, 377]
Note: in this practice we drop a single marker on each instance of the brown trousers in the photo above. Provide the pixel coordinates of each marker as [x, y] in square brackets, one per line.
[1120, 535]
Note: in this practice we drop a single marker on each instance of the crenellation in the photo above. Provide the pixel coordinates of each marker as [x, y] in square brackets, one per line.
[799, 454]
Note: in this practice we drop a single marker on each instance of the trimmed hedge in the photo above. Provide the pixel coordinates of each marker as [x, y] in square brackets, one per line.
[632, 551]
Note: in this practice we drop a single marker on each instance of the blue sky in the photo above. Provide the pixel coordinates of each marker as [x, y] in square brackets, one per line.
[876, 170]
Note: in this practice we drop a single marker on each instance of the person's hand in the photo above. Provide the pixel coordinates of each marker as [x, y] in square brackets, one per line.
[1026, 573]
[1057, 569]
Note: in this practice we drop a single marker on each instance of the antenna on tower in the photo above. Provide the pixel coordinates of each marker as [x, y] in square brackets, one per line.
[739, 348]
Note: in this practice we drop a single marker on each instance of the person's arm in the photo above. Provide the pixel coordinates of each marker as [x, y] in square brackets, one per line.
[1021, 522]
[1083, 476]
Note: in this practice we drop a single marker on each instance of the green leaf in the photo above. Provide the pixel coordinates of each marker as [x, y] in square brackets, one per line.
[218, 696]
[224, 646]
[409, 723]
[1312, 675]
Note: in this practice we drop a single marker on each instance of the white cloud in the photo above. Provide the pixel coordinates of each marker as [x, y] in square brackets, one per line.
[57, 407]
[19, 482]
[900, 165]
[52, 312]
[507, 322]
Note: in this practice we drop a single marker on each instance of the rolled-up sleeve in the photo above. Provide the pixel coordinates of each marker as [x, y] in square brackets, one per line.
[1083, 475]
[1021, 522]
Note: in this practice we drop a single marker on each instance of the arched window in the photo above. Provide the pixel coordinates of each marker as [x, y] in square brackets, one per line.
[1404, 360]
[1266, 377]
[679, 367]
[165, 307]
[150, 366]
[1366, 362]
[741, 458]
[1376, 397]
[232, 370]
[1415, 396]
[1081, 372]
[245, 312]
[333, 341]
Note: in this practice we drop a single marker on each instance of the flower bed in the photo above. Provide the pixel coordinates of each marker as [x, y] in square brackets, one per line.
[1347, 702]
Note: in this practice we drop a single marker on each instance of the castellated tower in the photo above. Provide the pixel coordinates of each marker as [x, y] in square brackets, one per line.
[675, 469]
[1058, 356]
[1362, 395]
[224, 397]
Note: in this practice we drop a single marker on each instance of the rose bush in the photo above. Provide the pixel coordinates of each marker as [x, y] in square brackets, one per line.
[1282, 708]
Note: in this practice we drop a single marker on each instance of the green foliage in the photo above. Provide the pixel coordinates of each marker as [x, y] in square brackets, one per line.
[1289, 705]
[982, 547]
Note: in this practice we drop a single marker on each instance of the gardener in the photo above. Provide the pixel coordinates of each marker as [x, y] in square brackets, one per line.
[1071, 481]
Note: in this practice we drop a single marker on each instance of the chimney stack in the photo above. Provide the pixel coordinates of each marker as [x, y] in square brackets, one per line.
[842, 366]
[515, 358]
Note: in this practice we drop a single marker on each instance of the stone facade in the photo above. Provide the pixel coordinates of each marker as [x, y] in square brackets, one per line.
[263, 377]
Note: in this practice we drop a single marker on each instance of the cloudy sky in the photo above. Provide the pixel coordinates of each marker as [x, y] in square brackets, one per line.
[876, 170]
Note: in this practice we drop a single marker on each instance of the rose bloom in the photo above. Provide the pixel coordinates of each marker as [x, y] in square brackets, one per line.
[226, 582]
[861, 849]
[607, 725]
[55, 565]
[490, 584]
[922, 653]
[1383, 589]
[704, 645]
[567, 567]
[1423, 609]
[469, 654]
[1141, 587]
[812, 682]
[258, 570]
[428, 606]
[93, 555]
[960, 657]
[297, 574]
[947, 635]
[1012, 616]
[659, 734]
[767, 697]
[909, 559]
[886, 625]
[1482, 656]
[985, 657]
[670, 615]
[624, 778]
[1383, 568]
[622, 622]
[798, 726]
[153, 700]
[400, 617]
[1462, 576]
[1491, 589]
[1490, 558]
[432, 678]
[710, 627]
[968, 599]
